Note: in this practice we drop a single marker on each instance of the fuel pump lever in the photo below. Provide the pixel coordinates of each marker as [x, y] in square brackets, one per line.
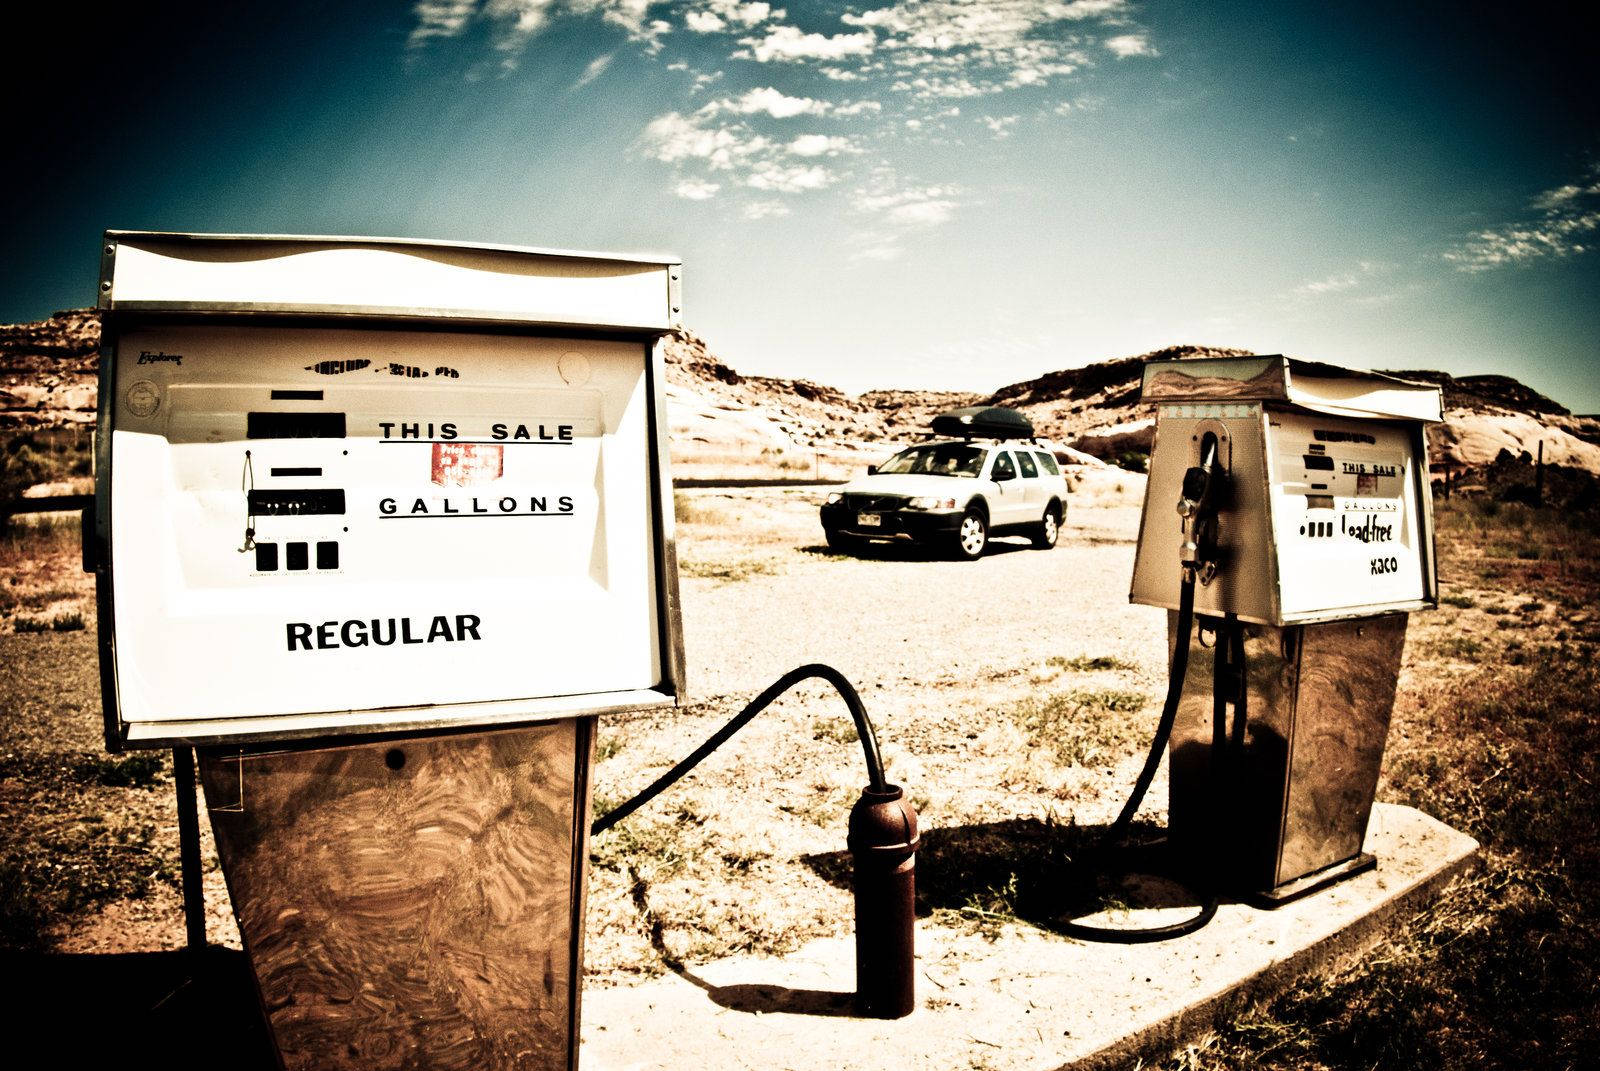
[1197, 505]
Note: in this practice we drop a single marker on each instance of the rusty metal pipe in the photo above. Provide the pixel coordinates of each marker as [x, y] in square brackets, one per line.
[883, 852]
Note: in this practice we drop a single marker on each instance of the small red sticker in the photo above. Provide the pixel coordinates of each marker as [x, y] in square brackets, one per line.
[467, 464]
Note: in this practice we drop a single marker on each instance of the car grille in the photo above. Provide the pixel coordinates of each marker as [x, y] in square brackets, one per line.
[869, 503]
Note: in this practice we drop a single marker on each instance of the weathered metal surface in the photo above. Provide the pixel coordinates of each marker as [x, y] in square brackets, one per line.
[1292, 794]
[413, 903]
[1347, 678]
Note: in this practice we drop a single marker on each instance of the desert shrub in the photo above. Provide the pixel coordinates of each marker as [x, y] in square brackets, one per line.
[1133, 460]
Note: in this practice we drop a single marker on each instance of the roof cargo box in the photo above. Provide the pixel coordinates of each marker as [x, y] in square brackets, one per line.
[983, 421]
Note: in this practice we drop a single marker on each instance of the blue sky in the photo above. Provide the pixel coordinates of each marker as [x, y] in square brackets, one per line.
[933, 194]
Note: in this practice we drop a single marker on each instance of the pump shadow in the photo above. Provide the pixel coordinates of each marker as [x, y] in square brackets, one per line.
[764, 999]
[750, 997]
[139, 1009]
[1029, 871]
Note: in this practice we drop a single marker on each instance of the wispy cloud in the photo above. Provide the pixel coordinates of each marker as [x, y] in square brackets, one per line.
[1566, 216]
[769, 101]
[699, 141]
[895, 209]
[911, 65]
[788, 44]
[1130, 44]
[440, 18]
[697, 189]
[596, 68]
[1340, 282]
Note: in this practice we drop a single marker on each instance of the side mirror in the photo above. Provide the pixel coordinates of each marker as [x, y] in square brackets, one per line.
[872, 470]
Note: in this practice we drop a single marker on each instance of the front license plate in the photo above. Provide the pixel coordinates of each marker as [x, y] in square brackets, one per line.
[869, 520]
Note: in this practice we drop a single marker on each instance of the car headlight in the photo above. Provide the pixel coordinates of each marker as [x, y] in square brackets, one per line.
[929, 502]
[833, 497]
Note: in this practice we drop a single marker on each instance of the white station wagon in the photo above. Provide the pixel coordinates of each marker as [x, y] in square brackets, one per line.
[955, 492]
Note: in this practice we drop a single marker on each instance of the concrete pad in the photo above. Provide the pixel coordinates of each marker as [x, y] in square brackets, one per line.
[1029, 1000]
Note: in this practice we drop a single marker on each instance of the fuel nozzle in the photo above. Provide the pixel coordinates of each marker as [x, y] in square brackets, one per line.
[1197, 505]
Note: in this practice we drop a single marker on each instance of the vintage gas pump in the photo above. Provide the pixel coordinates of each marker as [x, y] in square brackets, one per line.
[381, 528]
[1287, 512]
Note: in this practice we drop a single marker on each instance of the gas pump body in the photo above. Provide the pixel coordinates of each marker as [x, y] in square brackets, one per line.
[381, 528]
[1323, 544]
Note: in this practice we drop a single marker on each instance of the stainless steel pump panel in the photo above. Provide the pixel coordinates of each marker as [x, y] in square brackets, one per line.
[1327, 514]
[347, 485]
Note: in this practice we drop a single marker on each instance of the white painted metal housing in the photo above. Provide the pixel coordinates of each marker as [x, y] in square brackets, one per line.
[1327, 513]
[350, 485]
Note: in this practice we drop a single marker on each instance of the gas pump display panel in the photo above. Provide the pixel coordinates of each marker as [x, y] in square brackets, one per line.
[317, 529]
[1345, 511]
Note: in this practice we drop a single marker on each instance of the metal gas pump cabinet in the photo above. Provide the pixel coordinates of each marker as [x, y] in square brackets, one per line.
[1323, 545]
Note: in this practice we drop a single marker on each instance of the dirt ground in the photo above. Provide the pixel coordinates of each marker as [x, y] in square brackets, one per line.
[1021, 688]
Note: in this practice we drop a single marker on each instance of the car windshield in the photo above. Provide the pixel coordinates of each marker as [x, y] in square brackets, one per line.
[937, 459]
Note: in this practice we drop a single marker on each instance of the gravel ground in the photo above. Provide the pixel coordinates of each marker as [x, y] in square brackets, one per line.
[898, 615]
[746, 853]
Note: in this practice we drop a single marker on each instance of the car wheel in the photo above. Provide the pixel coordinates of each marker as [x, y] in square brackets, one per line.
[837, 540]
[1048, 530]
[973, 536]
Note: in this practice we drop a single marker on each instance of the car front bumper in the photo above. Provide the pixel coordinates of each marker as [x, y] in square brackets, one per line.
[912, 524]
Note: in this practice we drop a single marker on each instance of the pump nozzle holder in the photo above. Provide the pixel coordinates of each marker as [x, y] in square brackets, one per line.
[883, 850]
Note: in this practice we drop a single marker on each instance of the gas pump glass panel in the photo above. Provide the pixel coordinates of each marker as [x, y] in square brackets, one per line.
[332, 522]
[1344, 500]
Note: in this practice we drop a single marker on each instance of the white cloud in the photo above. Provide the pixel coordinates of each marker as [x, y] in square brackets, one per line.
[1130, 44]
[674, 138]
[714, 16]
[787, 44]
[820, 145]
[440, 18]
[922, 213]
[1568, 214]
[915, 206]
[515, 23]
[859, 107]
[1331, 285]
[596, 68]
[962, 48]
[770, 102]
[764, 209]
[700, 148]
[1000, 125]
[794, 179]
[697, 189]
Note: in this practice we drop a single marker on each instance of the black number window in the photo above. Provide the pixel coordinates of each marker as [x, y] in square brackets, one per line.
[1003, 468]
[1029, 469]
[1048, 463]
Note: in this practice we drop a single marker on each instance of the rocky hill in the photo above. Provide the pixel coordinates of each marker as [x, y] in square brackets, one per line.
[47, 371]
[725, 423]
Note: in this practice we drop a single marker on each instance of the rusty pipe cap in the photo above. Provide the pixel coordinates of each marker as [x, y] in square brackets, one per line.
[883, 823]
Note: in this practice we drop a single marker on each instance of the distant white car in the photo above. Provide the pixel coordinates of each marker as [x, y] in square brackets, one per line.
[952, 492]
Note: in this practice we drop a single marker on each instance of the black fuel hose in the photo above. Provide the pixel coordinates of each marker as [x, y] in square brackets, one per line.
[858, 712]
[1119, 829]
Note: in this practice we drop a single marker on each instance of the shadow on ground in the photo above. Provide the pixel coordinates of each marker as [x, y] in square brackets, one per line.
[143, 1009]
[912, 552]
[1034, 872]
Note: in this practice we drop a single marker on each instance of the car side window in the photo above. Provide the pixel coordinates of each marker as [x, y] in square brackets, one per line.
[1029, 469]
[1048, 463]
[1003, 468]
